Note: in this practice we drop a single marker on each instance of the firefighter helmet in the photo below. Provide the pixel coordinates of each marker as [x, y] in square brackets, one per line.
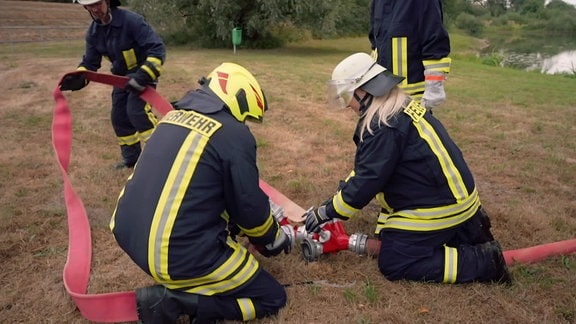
[87, 2]
[113, 3]
[359, 71]
[239, 90]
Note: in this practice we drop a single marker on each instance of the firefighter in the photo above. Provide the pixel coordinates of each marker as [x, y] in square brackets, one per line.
[134, 50]
[409, 39]
[432, 226]
[196, 179]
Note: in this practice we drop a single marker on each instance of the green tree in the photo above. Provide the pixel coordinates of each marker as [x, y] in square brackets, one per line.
[265, 23]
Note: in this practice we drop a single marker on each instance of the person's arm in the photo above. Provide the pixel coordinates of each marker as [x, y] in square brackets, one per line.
[91, 61]
[435, 53]
[148, 39]
[246, 203]
[435, 38]
[375, 161]
[92, 58]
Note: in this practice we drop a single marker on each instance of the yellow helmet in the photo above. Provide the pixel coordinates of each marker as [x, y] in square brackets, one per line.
[239, 90]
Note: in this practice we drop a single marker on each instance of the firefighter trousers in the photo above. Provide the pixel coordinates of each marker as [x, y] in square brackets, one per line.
[133, 122]
[462, 254]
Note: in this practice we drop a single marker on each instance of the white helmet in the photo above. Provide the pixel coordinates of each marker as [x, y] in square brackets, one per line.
[86, 2]
[359, 71]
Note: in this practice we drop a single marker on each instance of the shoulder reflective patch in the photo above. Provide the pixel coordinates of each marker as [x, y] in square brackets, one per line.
[415, 111]
[192, 120]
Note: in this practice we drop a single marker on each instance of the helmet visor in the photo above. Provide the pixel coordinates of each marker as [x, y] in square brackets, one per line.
[340, 93]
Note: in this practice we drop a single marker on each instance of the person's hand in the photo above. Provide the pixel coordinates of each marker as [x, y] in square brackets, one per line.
[234, 230]
[316, 217]
[281, 243]
[434, 93]
[73, 82]
[134, 84]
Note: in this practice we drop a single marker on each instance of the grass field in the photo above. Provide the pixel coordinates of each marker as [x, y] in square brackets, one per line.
[516, 130]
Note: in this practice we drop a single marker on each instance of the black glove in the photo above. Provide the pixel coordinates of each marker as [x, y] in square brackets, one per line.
[73, 82]
[134, 84]
[234, 230]
[281, 243]
[316, 217]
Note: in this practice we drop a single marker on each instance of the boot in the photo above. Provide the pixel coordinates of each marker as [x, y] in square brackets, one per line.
[154, 306]
[494, 267]
[130, 154]
[124, 165]
[187, 301]
[502, 275]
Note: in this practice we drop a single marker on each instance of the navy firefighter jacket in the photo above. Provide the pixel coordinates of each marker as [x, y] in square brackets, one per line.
[196, 174]
[409, 36]
[414, 170]
[128, 42]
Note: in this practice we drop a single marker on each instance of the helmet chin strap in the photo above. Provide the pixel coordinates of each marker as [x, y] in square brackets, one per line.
[365, 101]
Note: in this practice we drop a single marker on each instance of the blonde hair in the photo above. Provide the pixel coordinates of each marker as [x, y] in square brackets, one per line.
[384, 108]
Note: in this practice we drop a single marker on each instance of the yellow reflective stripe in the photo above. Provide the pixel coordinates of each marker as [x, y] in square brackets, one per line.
[261, 230]
[145, 136]
[413, 86]
[442, 211]
[245, 273]
[155, 61]
[128, 140]
[236, 271]
[81, 68]
[341, 207]
[352, 173]
[442, 64]
[130, 59]
[455, 181]
[169, 203]
[150, 114]
[112, 223]
[415, 90]
[149, 71]
[383, 203]
[450, 264]
[223, 272]
[382, 217]
[400, 57]
[399, 220]
[247, 308]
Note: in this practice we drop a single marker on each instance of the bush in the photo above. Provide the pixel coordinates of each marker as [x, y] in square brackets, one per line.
[470, 24]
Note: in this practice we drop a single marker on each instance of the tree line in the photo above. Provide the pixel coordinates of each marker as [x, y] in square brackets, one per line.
[273, 23]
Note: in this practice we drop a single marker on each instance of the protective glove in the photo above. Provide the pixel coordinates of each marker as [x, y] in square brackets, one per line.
[73, 82]
[281, 243]
[135, 84]
[234, 230]
[316, 217]
[434, 94]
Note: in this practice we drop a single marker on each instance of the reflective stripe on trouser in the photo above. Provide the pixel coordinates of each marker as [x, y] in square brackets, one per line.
[455, 255]
[263, 296]
[133, 122]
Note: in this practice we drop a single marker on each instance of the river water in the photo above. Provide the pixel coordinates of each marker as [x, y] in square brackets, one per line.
[549, 55]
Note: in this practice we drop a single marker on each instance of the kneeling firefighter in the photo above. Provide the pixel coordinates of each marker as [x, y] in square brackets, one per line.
[432, 226]
[197, 179]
